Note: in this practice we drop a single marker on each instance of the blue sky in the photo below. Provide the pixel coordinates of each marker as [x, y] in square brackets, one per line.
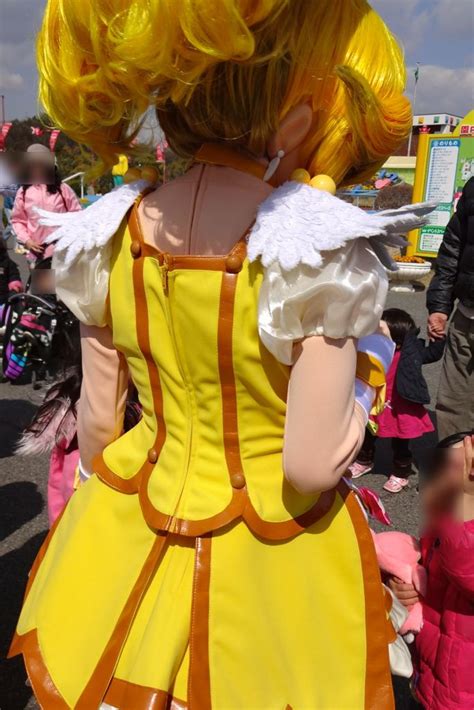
[437, 33]
[440, 35]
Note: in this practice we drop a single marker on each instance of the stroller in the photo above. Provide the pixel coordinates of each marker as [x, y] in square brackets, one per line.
[37, 331]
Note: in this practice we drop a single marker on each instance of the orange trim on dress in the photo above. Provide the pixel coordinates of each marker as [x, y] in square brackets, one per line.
[221, 155]
[240, 504]
[43, 687]
[129, 696]
[199, 679]
[96, 688]
[378, 682]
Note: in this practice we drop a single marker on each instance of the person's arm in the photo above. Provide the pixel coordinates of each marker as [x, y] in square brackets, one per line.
[440, 295]
[19, 219]
[103, 394]
[14, 279]
[433, 351]
[70, 198]
[324, 425]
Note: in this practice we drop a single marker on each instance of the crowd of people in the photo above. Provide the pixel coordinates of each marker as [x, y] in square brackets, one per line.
[211, 546]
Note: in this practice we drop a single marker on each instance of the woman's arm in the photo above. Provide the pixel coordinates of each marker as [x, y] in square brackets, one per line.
[325, 426]
[19, 219]
[103, 393]
[70, 198]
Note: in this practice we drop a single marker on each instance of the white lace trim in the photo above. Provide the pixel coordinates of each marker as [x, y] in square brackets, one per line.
[298, 222]
[94, 226]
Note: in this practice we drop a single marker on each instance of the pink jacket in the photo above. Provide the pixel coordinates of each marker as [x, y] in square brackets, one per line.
[62, 470]
[25, 221]
[445, 645]
[398, 555]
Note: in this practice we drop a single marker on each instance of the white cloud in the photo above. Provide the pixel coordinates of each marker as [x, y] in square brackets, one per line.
[438, 23]
[454, 19]
[9, 80]
[408, 19]
[443, 90]
[16, 55]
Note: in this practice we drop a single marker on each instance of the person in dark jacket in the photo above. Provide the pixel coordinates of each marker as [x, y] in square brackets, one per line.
[452, 290]
[10, 281]
[404, 417]
[415, 353]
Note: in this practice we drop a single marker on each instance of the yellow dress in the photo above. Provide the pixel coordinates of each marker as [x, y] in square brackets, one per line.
[187, 573]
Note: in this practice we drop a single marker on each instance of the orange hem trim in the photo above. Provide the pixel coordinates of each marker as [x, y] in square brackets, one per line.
[378, 683]
[43, 687]
[121, 693]
[199, 680]
[96, 688]
[129, 696]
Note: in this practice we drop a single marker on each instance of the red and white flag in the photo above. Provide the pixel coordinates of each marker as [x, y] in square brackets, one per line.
[53, 139]
[37, 131]
[160, 151]
[3, 134]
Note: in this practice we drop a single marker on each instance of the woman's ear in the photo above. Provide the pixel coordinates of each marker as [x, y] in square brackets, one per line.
[292, 131]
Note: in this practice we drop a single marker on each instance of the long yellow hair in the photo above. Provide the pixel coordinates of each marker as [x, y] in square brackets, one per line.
[226, 70]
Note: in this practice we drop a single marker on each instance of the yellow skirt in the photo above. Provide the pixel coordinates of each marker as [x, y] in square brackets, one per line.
[115, 613]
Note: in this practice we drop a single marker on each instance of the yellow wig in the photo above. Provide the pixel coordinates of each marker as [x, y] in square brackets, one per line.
[226, 70]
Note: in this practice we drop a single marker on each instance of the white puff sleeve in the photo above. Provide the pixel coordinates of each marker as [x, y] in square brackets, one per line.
[83, 250]
[342, 298]
[83, 285]
[324, 265]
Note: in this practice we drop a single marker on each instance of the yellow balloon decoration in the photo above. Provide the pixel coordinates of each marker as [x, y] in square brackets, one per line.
[301, 175]
[324, 182]
[148, 173]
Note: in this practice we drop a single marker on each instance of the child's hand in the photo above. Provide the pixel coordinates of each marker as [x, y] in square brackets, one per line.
[383, 329]
[405, 593]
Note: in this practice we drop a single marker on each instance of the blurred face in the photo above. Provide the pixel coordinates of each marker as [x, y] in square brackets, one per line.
[440, 495]
[451, 476]
[39, 173]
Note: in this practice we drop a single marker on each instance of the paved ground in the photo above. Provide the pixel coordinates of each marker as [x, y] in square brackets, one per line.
[23, 520]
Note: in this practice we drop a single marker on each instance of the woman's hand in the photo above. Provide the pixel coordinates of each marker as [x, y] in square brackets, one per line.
[405, 593]
[35, 248]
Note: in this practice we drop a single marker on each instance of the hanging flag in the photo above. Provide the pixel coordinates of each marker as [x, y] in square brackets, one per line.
[3, 134]
[37, 131]
[160, 151]
[417, 73]
[53, 139]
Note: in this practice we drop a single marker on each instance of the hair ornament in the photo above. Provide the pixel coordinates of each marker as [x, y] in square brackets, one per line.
[148, 173]
[320, 182]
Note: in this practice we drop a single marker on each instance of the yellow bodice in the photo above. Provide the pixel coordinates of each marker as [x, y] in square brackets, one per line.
[209, 447]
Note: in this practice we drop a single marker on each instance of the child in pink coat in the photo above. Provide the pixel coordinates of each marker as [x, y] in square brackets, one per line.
[444, 647]
[45, 192]
[54, 431]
